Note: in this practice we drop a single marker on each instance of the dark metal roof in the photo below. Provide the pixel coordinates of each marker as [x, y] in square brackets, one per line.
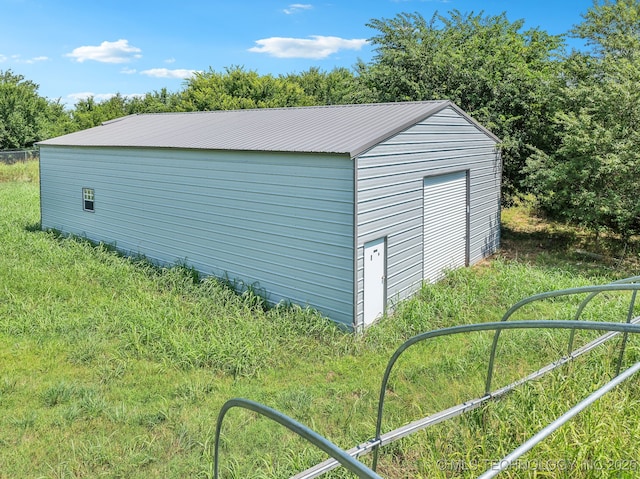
[340, 129]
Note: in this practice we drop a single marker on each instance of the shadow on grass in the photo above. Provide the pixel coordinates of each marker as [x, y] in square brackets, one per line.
[34, 227]
[541, 240]
[571, 250]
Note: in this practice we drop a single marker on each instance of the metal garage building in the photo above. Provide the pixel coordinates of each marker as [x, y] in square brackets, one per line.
[347, 209]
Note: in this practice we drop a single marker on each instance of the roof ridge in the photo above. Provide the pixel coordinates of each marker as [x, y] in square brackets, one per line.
[349, 129]
[287, 108]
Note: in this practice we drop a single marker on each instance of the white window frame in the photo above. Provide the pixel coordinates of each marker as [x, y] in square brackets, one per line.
[88, 198]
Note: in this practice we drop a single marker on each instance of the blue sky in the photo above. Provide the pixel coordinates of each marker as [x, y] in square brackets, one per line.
[74, 49]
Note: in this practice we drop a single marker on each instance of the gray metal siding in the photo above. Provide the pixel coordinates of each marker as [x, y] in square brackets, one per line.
[281, 220]
[390, 195]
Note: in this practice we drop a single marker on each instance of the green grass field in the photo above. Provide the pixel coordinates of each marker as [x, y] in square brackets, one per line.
[112, 367]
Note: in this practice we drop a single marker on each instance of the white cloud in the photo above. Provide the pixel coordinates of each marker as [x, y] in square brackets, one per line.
[107, 52]
[166, 73]
[99, 97]
[170, 60]
[28, 61]
[128, 71]
[36, 59]
[297, 7]
[86, 94]
[316, 46]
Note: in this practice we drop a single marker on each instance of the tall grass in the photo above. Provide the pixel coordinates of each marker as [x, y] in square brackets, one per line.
[113, 367]
[21, 171]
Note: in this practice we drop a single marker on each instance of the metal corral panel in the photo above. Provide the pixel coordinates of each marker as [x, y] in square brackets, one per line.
[282, 221]
[390, 182]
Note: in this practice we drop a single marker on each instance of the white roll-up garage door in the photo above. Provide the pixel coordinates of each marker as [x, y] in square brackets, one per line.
[445, 224]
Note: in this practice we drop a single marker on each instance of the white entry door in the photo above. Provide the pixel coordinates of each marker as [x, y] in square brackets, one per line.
[374, 280]
[445, 224]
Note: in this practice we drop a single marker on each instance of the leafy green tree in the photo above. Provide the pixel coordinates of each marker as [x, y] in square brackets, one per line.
[504, 77]
[156, 102]
[89, 112]
[25, 116]
[611, 28]
[58, 120]
[593, 177]
[337, 87]
[237, 88]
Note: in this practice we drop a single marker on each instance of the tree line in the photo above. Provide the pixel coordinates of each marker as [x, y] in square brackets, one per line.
[569, 121]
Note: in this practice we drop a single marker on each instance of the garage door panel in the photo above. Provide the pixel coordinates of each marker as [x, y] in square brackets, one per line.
[445, 224]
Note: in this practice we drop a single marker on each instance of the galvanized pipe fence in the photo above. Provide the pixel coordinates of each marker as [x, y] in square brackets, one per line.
[545, 432]
[348, 459]
[626, 284]
[14, 156]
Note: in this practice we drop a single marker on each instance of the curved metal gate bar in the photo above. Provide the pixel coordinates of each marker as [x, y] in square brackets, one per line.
[594, 290]
[498, 327]
[625, 337]
[632, 279]
[313, 437]
[383, 439]
[626, 285]
[454, 411]
[525, 447]
[347, 458]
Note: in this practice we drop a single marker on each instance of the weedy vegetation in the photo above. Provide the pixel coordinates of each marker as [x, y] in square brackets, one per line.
[114, 367]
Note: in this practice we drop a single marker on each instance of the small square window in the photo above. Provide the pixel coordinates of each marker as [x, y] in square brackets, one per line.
[88, 198]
